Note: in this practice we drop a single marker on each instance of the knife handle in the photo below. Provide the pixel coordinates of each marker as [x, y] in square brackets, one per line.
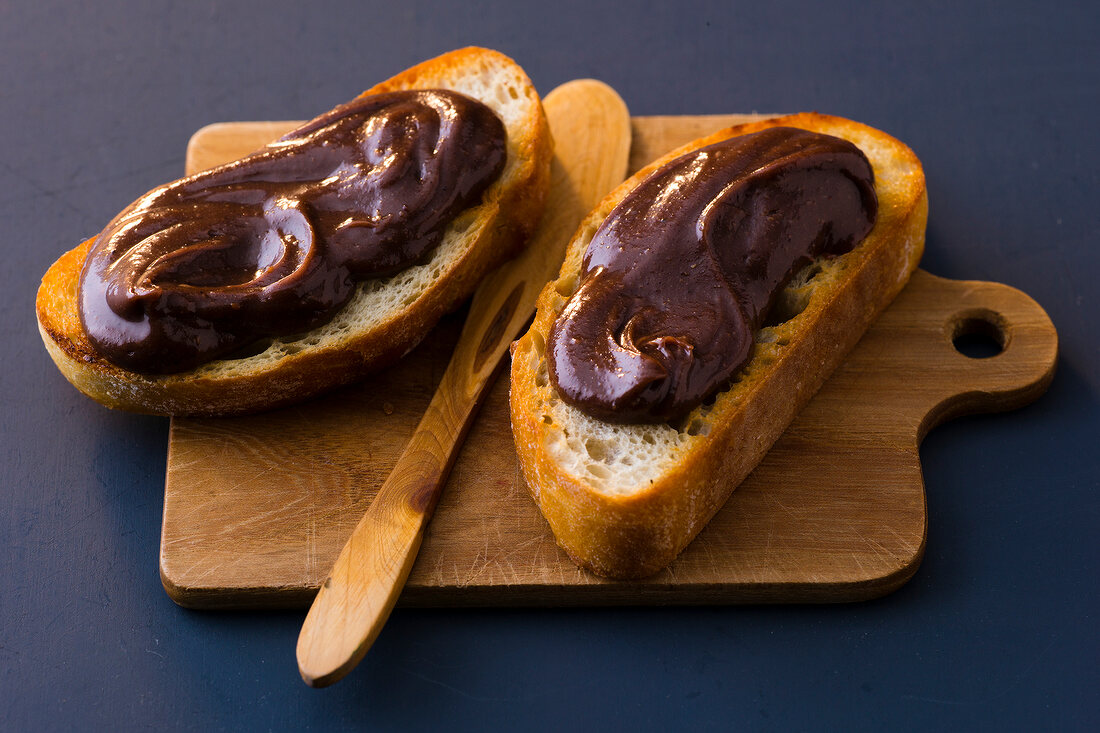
[355, 600]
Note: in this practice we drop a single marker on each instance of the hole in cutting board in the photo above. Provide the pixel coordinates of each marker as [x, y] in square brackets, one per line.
[978, 334]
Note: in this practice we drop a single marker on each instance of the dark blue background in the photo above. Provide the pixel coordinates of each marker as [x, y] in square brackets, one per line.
[998, 630]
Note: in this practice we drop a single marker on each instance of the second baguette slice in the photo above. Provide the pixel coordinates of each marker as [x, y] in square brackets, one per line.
[624, 500]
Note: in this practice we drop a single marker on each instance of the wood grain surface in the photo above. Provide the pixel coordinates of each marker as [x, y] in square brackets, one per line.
[257, 508]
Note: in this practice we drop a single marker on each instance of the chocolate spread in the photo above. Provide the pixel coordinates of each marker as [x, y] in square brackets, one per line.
[273, 244]
[684, 270]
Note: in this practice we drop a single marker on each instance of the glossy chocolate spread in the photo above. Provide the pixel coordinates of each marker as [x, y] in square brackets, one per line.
[273, 244]
[684, 270]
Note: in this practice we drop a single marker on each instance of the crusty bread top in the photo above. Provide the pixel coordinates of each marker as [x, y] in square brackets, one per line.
[630, 460]
[385, 318]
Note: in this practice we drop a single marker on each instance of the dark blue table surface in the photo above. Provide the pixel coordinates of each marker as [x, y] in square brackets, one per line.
[997, 630]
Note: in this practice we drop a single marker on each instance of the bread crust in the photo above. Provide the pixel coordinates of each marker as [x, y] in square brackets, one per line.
[621, 519]
[294, 369]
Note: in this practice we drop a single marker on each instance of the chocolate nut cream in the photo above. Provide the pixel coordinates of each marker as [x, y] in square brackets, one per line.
[686, 267]
[273, 244]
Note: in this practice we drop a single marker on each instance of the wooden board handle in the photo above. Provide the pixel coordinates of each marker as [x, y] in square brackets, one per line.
[1010, 379]
[909, 362]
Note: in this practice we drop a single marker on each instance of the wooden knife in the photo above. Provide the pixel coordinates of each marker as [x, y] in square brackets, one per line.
[591, 129]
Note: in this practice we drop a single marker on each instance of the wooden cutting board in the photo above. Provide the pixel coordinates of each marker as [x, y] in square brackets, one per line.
[257, 508]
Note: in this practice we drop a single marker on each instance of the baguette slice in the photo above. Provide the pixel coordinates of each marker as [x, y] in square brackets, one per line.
[385, 319]
[624, 500]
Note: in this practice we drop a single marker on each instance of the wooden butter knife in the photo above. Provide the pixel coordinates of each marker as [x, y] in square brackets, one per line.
[591, 129]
